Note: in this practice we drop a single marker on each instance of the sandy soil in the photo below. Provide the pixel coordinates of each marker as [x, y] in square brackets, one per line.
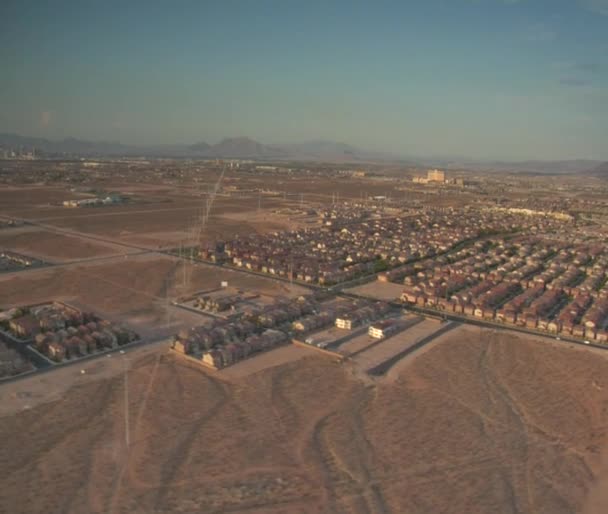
[491, 424]
[51, 247]
[479, 422]
[23, 199]
[387, 291]
[135, 289]
[380, 351]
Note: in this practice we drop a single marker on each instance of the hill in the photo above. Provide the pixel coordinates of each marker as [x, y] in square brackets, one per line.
[599, 171]
[242, 148]
[233, 147]
[201, 147]
[315, 150]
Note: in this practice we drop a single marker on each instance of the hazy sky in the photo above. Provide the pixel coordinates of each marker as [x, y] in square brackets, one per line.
[481, 78]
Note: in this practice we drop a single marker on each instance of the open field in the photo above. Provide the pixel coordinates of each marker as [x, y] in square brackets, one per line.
[22, 199]
[50, 246]
[371, 352]
[161, 216]
[387, 291]
[133, 290]
[164, 225]
[488, 423]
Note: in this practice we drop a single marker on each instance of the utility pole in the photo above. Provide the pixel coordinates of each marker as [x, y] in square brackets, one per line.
[184, 271]
[167, 311]
[126, 365]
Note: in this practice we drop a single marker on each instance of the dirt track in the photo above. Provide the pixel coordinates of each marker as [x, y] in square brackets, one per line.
[475, 422]
[475, 426]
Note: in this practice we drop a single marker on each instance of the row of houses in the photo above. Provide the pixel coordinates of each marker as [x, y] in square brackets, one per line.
[362, 315]
[49, 317]
[217, 303]
[61, 332]
[346, 250]
[10, 260]
[530, 282]
[84, 340]
[225, 342]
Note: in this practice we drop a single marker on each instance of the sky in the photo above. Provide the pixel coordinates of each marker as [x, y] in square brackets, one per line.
[482, 79]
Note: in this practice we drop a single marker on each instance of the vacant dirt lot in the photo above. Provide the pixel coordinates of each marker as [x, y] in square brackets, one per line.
[486, 423]
[380, 290]
[50, 246]
[134, 289]
[18, 200]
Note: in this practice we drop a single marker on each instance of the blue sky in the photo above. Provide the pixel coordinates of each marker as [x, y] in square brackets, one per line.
[502, 79]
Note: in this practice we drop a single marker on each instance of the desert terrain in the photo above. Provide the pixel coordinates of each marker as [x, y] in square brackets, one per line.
[459, 428]
[475, 421]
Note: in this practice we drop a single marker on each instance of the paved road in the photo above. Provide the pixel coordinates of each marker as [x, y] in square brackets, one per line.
[82, 360]
[484, 323]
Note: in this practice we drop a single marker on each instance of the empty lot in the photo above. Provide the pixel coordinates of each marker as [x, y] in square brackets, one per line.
[478, 423]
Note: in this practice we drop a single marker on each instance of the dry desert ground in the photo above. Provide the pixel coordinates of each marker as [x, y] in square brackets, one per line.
[476, 423]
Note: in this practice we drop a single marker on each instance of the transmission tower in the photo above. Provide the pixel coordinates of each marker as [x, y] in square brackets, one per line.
[204, 217]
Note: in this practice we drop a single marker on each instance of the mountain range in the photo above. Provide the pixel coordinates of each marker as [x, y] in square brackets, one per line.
[235, 147]
[318, 150]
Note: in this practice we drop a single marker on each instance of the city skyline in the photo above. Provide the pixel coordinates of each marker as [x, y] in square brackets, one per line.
[487, 79]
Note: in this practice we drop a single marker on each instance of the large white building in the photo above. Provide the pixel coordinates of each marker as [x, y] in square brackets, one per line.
[435, 176]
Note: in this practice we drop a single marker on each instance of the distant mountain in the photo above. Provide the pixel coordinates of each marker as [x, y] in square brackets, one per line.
[79, 146]
[534, 167]
[199, 147]
[235, 147]
[16, 141]
[321, 150]
[68, 146]
[242, 148]
[599, 171]
[318, 150]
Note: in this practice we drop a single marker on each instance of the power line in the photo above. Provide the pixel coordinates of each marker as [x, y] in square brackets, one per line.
[126, 365]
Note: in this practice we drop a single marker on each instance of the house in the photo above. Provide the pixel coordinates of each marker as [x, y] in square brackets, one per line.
[56, 351]
[181, 346]
[383, 329]
[578, 331]
[25, 326]
[213, 359]
[601, 336]
[346, 322]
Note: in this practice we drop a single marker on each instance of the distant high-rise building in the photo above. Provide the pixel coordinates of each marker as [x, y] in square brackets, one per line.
[435, 176]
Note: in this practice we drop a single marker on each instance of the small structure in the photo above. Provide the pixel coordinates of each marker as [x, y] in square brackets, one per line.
[383, 328]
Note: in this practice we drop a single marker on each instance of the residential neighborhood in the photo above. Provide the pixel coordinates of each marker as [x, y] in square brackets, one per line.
[61, 332]
[532, 282]
[353, 241]
[223, 343]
